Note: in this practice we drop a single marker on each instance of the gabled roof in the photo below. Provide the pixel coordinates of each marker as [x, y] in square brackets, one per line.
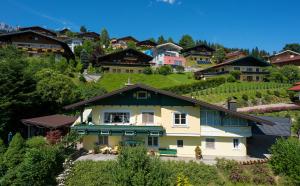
[128, 38]
[287, 60]
[89, 34]
[146, 42]
[250, 59]
[51, 121]
[34, 28]
[170, 45]
[295, 88]
[199, 47]
[285, 51]
[166, 93]
[63, 44]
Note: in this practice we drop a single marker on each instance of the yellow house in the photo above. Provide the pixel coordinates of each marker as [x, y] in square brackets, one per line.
[161, 120]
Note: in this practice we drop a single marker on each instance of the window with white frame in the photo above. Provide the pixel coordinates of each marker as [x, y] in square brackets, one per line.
[141, 95]
[116, 117]
[180, 119]
[210, 143]
[103, 140]
[179, 143]
[153, 141]
[147, 117]
[236, 143]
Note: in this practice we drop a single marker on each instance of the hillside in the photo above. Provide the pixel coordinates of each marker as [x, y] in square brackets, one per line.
[115, 81]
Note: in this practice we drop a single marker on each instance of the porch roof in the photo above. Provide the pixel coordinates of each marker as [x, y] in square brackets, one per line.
[117, 129]
[51, 121]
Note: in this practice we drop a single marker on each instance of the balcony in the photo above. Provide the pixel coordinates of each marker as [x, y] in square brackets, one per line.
[254, 72]
[174, 60]
[226, 131]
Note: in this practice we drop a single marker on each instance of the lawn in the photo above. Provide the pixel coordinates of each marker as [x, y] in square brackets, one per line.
[112, 82]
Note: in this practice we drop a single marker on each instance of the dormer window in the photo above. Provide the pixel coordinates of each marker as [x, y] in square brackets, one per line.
[141, 95]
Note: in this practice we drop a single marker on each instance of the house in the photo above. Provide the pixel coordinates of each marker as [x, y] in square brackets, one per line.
[199, 54]
[251, 68]
[40, 30]
[286, 57]
[121, 43]
[41, 125]
[35, 43]
[235, 55]
[92, 36]
[125, 61]
[139, 114]
[73, 42]
[168, 54]
[147, 44]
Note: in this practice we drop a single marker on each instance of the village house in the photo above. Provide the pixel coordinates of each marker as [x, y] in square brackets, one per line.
[168, 54]
[74, 42]
[167, 123]
[199, 54]
[92, 36]
[234, 55]
[36, 43]
[125, 61]
[40, 30]
[251, 69]
[122, 43]
[286, 57]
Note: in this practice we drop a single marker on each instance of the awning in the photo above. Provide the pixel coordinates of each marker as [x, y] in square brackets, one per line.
[117, 130]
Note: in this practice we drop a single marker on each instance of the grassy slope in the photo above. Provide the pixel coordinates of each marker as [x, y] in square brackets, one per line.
[115, 81]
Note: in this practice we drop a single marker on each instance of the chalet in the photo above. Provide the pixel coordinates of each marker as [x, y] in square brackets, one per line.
[73, 42]
[92, 36]
[251, 68]
[164, 122]
[146, 44]
[235, 55]
[122, 42]
[168, 54]
[200, 54]
[36, 43]
[125, 61]
[286, 57]
[40, 30]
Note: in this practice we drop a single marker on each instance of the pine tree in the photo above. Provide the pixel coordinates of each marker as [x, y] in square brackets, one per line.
[15, 152]
[186, 41]
[104, 38]
[161, 40]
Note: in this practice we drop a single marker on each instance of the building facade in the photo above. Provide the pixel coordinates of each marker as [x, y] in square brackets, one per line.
[140, 114]
[198, 55]
[168, 54]
[251, 69]
[125, 61]
[286, 57]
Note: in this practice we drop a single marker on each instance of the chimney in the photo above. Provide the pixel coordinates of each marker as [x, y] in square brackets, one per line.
[232, 104]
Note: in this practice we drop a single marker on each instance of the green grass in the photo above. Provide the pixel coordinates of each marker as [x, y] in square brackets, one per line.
[112, 82]
[222, 92]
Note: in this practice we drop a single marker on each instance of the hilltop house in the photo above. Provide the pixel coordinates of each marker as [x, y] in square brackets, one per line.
[251, 68]
[73, 42]
[161, 120]
[40, 30]
[235, 55]
[122, 42]
[125, 61]
[200, 54]
[92, 36]
[286, 57]
[168, 54]
[36, 43]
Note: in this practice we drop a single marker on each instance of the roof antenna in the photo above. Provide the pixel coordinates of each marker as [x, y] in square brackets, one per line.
[128, 82]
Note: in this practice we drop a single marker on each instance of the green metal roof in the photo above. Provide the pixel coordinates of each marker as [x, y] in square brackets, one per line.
[117, 129]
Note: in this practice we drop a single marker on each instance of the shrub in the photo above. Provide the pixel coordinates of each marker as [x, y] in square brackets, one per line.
[238, 175]
[231, 79]
[245, 97]
[148, 70]
[164, 70]
[236, 74]
[53, 136]
[15, 152]
[81, 78]
[258, 94]
[286, 157]
[276, 93]
[36, 142]
[179, 69]
[226, 165]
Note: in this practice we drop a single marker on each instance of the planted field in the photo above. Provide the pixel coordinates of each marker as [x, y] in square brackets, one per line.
[115, 81]
[224, 91]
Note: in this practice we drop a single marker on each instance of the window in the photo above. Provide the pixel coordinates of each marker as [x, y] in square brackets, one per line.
[114, 70]
[257, 78]
[236, 143]
[131, 71]
[127, 70]
[237, 68]
[116, 117]
[210, 143]
[141, 95]
[179, 119]
[103, 140]
[249, 69]
[152, 141]
[119, 70]
[257, 69]
[179, 143]
[148, 117]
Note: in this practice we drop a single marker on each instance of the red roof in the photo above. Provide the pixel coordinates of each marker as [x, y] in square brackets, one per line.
[295, 88]
[51, 121]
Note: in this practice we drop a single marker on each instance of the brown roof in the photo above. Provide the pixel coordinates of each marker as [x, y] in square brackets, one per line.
[51, 121]
[188, 99]
[287, 60]
[37, 28]
[128, 38]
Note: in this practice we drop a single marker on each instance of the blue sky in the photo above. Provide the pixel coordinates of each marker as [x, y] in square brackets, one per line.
[267, 24]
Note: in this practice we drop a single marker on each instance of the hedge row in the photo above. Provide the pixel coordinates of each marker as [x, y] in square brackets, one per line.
[200, 85]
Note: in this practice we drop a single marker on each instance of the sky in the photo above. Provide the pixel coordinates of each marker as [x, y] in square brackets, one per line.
[267, 24]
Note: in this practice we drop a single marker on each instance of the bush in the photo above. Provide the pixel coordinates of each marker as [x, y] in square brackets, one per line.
[245, 97]
[226, 165]
[36, 142]
[276, 93]
[179, 69]
[238, 175]
[81, 78]
[236, 74]
[258, 94]
[231, 79]
[164, 70]
[53, 136]
[148, 70]
[286, 157]
[15, 152]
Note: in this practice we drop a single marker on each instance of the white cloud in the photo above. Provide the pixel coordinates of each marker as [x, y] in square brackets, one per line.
[167, 1]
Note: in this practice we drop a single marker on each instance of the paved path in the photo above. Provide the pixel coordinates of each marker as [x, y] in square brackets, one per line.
[270, 107]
